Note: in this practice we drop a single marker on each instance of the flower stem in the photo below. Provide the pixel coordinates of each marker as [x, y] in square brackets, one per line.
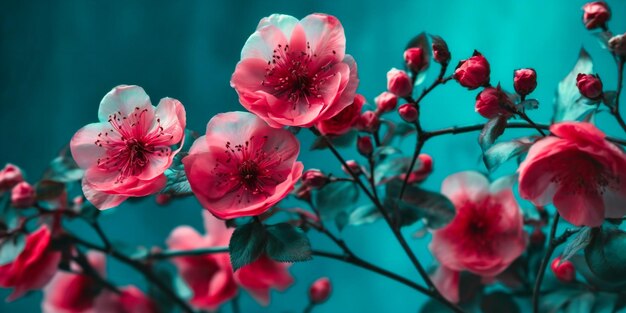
[309, 307]
[544, 263]
[527, 119]
[620, 80]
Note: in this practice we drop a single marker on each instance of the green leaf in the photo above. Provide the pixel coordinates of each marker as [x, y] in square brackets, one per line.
[569, 104]
[501, 152]
[64, 169]
[11, 247]
[579, 242]
[606, 254]
[554, 301]
[392, 167]
[247, 244]
[416, 203]
[530, 104]
[335, 198]
[287, 243]
[498, 302]
[582, 303]
[421, 41]
[364, 214]
[491, 131]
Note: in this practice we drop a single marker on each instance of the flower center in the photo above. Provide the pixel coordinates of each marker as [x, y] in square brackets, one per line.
[295, 75]
[249, 175]
[578, 173]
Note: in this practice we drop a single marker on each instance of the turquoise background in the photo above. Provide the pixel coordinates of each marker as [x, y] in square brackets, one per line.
[59, 58]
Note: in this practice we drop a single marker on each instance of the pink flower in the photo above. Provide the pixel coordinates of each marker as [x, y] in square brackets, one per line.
[130, 300]
[486, 235]
[579, 171]
[596, 14]
[210, 276]
[10, 175]
[33, 267]
[22, 195]
[447, 282]
[74, 293]
[344, 120]
[399, 83]
[242, 166]
[320, 290]
[261, 275]
[126, 152]
[296, 73]
[473, 72]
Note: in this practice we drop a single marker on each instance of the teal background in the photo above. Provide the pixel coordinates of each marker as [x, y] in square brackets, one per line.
[59, 58]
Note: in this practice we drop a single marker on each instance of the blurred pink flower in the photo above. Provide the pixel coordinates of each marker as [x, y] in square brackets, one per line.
[579, 171]
[126, 152]
[34, 266]
[242, 166]
[296, 73]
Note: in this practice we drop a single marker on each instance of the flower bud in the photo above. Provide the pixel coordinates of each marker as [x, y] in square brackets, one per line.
[365, 146]
[473, 72]
[314, 178]
[304, 193]
[524, 81]
[408, 112]
[564, 271]
[492, 102]
[596, 14]
[415, 58]
[10, 175]
[368, 122]
[320, 290]
[617, 44]
[163, 198]
[422, 172]
[399, 83]
[22, 195]
[441, 54]
[386, 102]
[344, 120]
[590, 86]
[354, 167]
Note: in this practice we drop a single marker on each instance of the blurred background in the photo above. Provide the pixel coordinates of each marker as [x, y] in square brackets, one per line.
[59, 58]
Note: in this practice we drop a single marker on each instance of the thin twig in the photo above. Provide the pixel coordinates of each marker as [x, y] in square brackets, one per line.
[544, 263]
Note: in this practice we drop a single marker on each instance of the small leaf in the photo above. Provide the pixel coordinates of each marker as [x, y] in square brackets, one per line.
[286, 243]
[247, 244]
[530, 104]
[568, 103]
[498, 302]
[177, 183]
[416, 203]
[403, 129]
[501, 152]
[554, 301]
[64, 169]
[580, 241]
[49, 190]
[491, 131]
[581, 303]
[364, 214]
[341, 220]
[11, 247]
[606, 254]
[392, 167]
[335, 198]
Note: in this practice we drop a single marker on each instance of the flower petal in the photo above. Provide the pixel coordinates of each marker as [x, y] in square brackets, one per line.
[83, 145]
[123, 99]
[325, 35]
[171, 116]
[585, 209]
[100, 199]
[469, 185]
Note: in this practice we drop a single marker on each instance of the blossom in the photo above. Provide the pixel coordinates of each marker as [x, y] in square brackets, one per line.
[590, 86]
[242, 166]
[524, 80]
[415, 58]
[581, 173]
[10, 176]
[126, 152]
[408, 112]
[563, 270]
[473, 72]
[486, 235]
[596, 14]
[399, 83]
[210, 277]
[74, 293]
[33, 268]
[493, 102]
[296, 73]
[22, 195]
[386, 102]
[344, 120]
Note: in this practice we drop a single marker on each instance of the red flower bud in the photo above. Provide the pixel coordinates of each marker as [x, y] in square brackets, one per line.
[365, 146]
[386, 102]
[163, 198]
[320, 290]
[368, 122]
[564, 271]
[399, 83]
[590, 86]
[617, 44]
[354, 167]
[524, 81]
[441, 54]
[10, 175]
[344, 120]
[408, 112]
[492, 102]
[314, 178]
[22, 195]
[596, 14]
[415, 58]
[473, 72]
[422, 172]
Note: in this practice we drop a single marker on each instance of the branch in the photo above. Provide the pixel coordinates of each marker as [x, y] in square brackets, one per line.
[552, 244]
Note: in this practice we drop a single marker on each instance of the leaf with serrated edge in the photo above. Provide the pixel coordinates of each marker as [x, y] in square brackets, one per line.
[247, 244]
[287, 243]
